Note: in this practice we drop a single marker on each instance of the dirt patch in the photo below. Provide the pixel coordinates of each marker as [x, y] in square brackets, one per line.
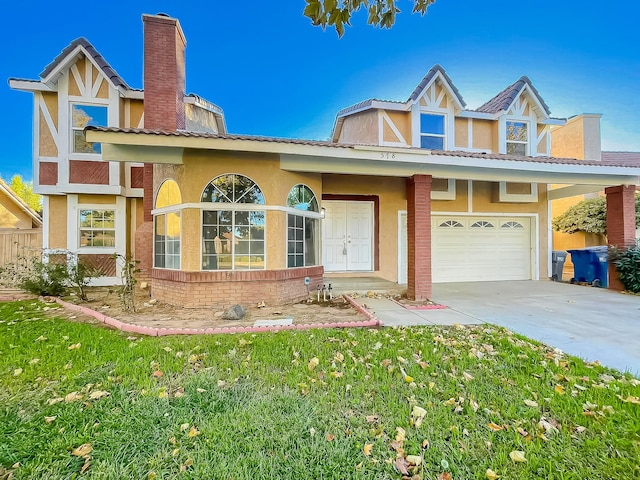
[150, 313]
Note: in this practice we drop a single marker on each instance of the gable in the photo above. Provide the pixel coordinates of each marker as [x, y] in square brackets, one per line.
[436, 92]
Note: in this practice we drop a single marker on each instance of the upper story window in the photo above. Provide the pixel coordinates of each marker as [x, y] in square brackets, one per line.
[83, 116]
[98, 228]
[432, 131]
[517, 138]
[233, 235]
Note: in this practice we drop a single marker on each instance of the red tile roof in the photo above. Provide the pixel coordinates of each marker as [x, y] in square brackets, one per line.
[319, 143]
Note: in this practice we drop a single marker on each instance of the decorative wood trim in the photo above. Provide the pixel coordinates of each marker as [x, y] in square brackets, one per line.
[450, 194]
[78, 78]
[386, 119]
[376, 219]
[503, 196]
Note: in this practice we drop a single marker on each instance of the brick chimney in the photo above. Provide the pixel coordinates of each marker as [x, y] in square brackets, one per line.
[164, 73]
[164, 89]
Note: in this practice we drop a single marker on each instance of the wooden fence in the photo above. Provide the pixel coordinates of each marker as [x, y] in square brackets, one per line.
[19, 243]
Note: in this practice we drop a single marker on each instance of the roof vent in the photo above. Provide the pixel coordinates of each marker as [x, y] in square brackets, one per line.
[162, 14]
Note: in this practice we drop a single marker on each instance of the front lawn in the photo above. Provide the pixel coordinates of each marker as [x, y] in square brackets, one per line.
[82, 401]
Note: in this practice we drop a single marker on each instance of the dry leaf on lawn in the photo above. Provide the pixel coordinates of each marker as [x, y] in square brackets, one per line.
[401, 465]
[367, 448]
[491, 475]
[559, 389]
[444, 476]
[330, 437]
[517, 456]
[98, 394]
[71, 397]
[193, 432]
[82, 450]
[530, 403]
[50, 419]
[372, 418]
[75, 346]
[414, 459]
[630, 399]
[494, 427]
[313, 363]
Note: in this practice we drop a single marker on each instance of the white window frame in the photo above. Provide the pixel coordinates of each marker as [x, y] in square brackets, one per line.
[527, 144]
[166, 241]
[436, 135]
[85, 229]
[72, 129]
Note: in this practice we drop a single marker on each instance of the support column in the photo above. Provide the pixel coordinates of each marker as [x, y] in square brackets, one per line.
[419, 285]
[621, 224]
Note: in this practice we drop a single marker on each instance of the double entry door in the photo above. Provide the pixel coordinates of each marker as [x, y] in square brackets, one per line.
[347, 236]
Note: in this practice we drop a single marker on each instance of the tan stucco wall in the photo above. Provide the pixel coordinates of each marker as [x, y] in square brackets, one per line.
[485, 134]
[199, 120]
[11, 215]
[462, 132]
[579, 138]
[360, 128]
[46, 145]
[136, 108]
[402, 121]
[89, 199]
[460, 204]
[51, 101]
[57, 221]
[392, 195]
[201, 167]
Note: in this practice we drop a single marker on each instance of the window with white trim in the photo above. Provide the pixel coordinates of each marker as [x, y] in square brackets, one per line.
[432, 131]
[517, 138]
[167, 228]
[233, 230]
[302, 231]
[98, 228]
[82, 116]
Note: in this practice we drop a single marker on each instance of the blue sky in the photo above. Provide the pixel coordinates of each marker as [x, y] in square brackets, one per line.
[275, 74]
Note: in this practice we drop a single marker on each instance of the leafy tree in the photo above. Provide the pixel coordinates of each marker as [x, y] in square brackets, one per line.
[588, 216]
[25, 191]
[337, 13]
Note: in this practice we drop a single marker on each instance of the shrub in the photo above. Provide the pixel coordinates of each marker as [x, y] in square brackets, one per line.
[45, 278]
[30, 273]
[588, 216]
[627, 264]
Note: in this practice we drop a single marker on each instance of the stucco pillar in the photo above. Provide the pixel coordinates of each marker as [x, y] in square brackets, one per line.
[419, 283]
[621, 224]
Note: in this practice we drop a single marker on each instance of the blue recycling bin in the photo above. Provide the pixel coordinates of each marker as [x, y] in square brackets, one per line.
[591, 265]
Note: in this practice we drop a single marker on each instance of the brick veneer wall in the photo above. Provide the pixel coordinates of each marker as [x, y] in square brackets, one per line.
[621, 224]
[419, 280]
[226, 288]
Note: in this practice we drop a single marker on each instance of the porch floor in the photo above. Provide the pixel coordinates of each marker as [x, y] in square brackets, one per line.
[362, 285]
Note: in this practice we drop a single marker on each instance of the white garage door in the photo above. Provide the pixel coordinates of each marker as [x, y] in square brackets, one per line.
[467, 249]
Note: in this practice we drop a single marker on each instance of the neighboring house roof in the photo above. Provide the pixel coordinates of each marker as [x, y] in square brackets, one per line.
[427, 79]
[448, 153]
[503, 100]
[35, 216]
[631, 159]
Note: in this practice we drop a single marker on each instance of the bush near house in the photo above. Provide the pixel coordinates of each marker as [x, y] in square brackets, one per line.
[627, 264]
[588, 216]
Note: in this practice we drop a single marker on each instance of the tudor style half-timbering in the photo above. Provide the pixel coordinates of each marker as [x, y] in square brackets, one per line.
[415, 192]
[92, 208]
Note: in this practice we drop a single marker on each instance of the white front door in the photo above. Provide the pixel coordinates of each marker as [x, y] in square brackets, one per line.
[347, 236]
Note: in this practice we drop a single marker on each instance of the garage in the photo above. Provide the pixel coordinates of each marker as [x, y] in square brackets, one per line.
[476, 248]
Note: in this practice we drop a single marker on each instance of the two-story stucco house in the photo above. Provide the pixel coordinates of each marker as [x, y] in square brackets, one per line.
[416, 191]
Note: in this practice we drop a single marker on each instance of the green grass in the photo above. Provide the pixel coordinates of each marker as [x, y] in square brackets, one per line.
[261, 412]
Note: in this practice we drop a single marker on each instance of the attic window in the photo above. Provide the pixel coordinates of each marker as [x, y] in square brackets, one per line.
[432, 131]
[517, 138]
[84, 116]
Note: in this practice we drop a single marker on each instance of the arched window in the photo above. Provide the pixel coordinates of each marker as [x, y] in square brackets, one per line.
[166, 227]
[232, 231]
[302, 231]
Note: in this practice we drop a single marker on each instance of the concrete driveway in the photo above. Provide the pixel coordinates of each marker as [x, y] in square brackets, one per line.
[591, 323]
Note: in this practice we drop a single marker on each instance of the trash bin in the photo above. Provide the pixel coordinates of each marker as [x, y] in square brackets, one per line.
[590, 265]
[558, 258]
